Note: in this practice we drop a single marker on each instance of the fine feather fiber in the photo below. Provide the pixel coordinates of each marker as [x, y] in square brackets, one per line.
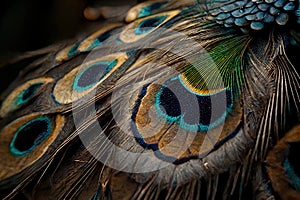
[181, 99]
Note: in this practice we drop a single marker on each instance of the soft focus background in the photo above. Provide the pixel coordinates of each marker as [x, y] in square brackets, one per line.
[32, 24]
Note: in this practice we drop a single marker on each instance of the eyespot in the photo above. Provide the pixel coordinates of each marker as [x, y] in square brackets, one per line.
[173, 121]
[27, 94]
[86, 77]
[142, 27]
[27, 139]
[30, 135]
[23, 94]
[187, 119]
[98, 38]
[149, 9]
[94, 40]
[144, 9]
[67, 52]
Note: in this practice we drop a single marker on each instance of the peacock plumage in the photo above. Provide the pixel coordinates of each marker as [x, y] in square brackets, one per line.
[183, 99]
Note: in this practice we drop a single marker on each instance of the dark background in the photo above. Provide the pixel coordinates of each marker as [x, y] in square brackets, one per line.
[32, 24]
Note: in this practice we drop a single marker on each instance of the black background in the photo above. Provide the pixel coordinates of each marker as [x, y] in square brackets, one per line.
[32, 24]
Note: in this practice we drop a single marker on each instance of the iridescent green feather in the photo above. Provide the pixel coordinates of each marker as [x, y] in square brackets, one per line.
[226, 53]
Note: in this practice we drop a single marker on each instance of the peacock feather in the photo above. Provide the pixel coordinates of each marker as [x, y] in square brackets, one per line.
[183, 99]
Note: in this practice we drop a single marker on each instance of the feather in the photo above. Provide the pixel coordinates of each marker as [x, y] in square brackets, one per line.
[182, 100]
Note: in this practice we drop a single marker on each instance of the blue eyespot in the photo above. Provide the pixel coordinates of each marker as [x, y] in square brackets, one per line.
[149, 24]
[90, 76]
[30, 135]
[148, 10]
[28, 93]
[192, 112]
[172, 113]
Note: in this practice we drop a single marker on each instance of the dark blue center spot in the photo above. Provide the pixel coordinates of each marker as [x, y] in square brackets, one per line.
[28, 93]
[30, 135]
[175, 102]
[88, 77]
[100, 40]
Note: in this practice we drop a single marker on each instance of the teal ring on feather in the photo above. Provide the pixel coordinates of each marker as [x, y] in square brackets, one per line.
[139, 138]
[100, 40]
[24, 94]
[149, 24]
[187, 119]
[30, 135]
[97, 42]
[88, 77]
[28, 93]
[199, 120]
